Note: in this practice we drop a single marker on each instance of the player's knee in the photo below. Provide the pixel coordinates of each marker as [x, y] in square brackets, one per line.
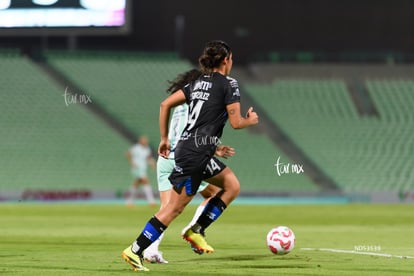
[233, 188]
[234, 185]
[210, 191]
[176, 210]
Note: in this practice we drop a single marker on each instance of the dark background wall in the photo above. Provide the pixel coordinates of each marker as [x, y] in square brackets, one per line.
[302, 25]
[254, 27]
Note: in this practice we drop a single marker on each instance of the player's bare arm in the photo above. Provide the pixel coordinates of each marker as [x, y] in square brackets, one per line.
[237, 121]
[171, 101]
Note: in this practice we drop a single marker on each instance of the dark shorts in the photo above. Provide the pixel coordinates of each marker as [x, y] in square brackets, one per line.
[189, 172]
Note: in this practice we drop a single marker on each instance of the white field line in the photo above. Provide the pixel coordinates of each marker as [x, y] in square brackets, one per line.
[358, 252]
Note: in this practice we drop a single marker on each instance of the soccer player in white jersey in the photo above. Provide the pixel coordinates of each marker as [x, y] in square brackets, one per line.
[139, 156]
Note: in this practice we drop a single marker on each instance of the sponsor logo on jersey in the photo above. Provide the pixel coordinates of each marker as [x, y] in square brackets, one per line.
[178, 169]
[236, 92]
[202, 86]
[185, 135]
[233, 82]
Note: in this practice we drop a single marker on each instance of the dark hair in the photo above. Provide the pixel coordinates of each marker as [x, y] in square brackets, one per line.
[183, 79]
[213, 54]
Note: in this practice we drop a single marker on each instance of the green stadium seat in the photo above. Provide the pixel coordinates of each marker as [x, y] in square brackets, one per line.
[130, 86]
[47, 145]
[359, 153]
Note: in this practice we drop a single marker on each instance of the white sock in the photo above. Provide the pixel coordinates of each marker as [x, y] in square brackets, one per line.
[135, 247]
[197, 214]
[193, 221]
[148, 193]
[153, 248]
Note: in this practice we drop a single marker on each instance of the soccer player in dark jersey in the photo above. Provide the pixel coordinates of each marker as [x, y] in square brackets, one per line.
[213, 98]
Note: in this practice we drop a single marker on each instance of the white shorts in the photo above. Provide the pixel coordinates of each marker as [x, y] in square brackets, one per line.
[139, 172]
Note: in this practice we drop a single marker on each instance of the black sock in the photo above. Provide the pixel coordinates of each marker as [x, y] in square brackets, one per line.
[212, 211]
[151, 232]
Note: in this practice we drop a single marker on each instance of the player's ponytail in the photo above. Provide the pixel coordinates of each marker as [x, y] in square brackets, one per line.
[214, 53]
[183, 79]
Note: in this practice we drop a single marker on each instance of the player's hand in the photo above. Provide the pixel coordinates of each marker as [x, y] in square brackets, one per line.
[164, 148]
[225, 151]
[252, 116]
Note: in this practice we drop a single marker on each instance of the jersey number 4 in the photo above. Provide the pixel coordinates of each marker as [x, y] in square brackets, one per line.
[194, 112]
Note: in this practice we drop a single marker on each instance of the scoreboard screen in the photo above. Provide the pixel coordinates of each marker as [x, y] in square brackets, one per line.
[23, 17]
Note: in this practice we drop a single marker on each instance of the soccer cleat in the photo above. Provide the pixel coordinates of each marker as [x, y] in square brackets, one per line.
[197, 241]
[185, 229]
[155, 258]
[197, 251]
[133, 259]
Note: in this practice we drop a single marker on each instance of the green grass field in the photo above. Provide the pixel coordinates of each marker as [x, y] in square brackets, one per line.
[69, 239]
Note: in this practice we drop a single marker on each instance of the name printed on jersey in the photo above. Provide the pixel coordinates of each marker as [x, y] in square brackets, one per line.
[200, 95]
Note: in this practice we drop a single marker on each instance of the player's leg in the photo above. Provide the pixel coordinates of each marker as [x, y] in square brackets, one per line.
[147, 189]
[207, 191]
[218, 174]
[152, 254]
[164, 169]
[160, 221]
[230, 186]
[174, 207]
[132, 191]
[185, 187]
[198, 244]
[154, 229]
[228, 182]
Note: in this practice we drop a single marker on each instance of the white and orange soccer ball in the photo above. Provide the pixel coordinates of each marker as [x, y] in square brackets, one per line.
[280, 240]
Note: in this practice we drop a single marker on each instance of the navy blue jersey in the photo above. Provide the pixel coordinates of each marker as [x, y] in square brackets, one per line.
[207, 98]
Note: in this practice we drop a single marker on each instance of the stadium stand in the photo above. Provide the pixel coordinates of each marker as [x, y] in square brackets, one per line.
[48, 145]
[394, 133]
[255, 165]
[360, 153]
[129, 86]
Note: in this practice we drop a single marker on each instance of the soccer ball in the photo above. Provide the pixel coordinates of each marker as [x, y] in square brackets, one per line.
[280, 240]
